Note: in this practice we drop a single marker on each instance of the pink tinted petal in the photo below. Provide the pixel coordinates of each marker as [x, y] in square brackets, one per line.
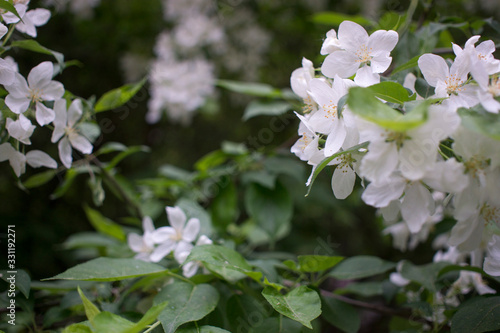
[65, 152]
[341, 63]
[52, 91]
[74, 112]
[81, 143]
[39, 16]
[351, 36]
[59, 120]
[40, 75]
[37, 158]
[44, 115]
[19, 88]
[191, 230]
[434, 68]
[176, 217]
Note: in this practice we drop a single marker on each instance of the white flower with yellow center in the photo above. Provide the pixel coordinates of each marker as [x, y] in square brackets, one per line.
[38, 88]
[65, 127]
[358, 50]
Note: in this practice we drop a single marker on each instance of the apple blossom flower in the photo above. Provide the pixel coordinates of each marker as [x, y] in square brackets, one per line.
[143, 245]
[18, 160]
[32, 19]
[299, 82]
[449, 81]
[307, 144]
[37, 89]
[181, 232]
[65, 126]
[359, 49]
[20, 129]
[331, 43]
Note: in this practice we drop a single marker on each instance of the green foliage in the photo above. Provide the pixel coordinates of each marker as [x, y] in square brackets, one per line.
[301, 304]
[257, 108]
[341, 315]
[117, 97]
[359, 267]
[187, 302]
[109, 269]
[477, 315]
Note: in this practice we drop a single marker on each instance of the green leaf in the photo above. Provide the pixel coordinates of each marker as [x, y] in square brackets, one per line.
[354, 150]
[148, 318]
[90, 309]
[88, 239]
[480, 314]
[360, 267]
[391, 92]
[109, 269]
[192, 209]
[365, 289]
[8, 6]
[110, 147]
[224, 262]
[107, 322]
[317, 263]
[341, 315]
[413, 62]
[129, 151]
[98, 194]
[250, 88]
[423, 88]
[362, 101]
[335, 18]
[39, 179]
[118, 97]
[301, 304]
[426, 275]
[22, 280]
[256, 108]
[187, 302]
[241, 309]
[77, 328]
[224, 207]
[452, 268]
[104, 225]
[271, 209]
[202, 329]
[482, 122]
[33, 45]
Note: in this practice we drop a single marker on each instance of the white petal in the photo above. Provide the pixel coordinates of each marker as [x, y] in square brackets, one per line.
[416, 206]
[44, 115]
[382, 41]
[60, 120]
[336, 138]
[39, 16]
[380, 161]
[19, 88]
[52, 91]
[191, 230]
[343, 182]
[161, 251]
[352, 36]
[65, 152]
[341, 63]
[74, 112]
[382, 195]
[176, 217]
[3, 30]
[81, 143]
[203, 240]
[40, 75]
[163, 234]
[434, 68]
[190, 269]
[37, 158]
[365, 77]
[135, 242]
[182, 251]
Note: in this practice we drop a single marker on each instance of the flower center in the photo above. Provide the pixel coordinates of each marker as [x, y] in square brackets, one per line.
[490, 214]
[331, 111]
[308, 105]
[305, 140]
[364, 54]
[494, 87]
[453, 84]
[35, 95]
[475, 165]
[397, 137]
[345, 161]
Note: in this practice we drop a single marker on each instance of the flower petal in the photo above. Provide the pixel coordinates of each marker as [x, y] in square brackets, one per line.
[81, 143]
[65, 152]
[40, 75]
[191, 230]
[341, 63]
[343, 182]
[44, 115]
[434, 68]
[37, 158]
[176, 217]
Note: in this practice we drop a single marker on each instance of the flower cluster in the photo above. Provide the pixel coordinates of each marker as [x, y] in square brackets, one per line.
[414, 173]
[179, 238]
[183, 73]
[37, 97]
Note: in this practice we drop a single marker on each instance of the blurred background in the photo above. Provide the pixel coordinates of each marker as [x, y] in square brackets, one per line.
[183, 47]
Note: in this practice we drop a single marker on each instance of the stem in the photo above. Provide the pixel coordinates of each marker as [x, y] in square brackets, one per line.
[403, 313]
[152, 327]
[128, 200]
[409, 16]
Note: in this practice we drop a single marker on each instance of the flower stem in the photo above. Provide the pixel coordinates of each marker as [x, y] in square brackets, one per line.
[152, 327]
